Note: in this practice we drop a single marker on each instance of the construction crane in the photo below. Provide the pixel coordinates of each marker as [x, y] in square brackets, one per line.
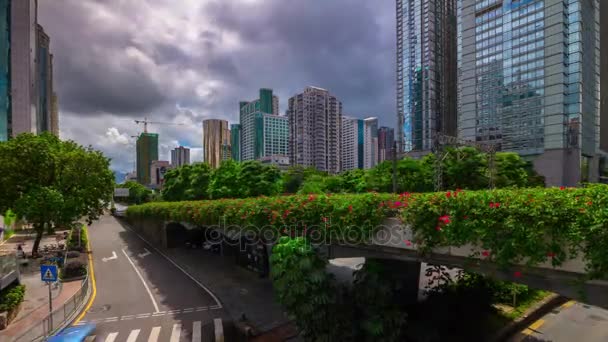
[146, 122]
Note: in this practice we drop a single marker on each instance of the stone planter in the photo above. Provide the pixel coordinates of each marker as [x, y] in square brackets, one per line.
[7, 317]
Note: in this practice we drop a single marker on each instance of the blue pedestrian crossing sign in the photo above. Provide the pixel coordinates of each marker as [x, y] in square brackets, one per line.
[48, 273]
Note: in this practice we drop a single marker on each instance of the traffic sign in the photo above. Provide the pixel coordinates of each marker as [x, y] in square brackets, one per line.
[48, 273]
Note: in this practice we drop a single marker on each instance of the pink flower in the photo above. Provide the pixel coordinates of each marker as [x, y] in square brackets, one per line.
[408, 243]
[485, 253]
[445, 219]
[397, 204]
[438, 228]
[517, 274]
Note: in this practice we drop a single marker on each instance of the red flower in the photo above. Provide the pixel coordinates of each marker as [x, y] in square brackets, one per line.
[551, 254]
[438, 228]
[311, 197]
[485, 253]
[448, 194]
[350, 208]
[562, 187]
[582, 210]
[494, 204]
[458, 190]
[408, 243]
[325, 219]
[589, 203]
[445, 219]
[517, 274]
[465, 217]
[397, 204]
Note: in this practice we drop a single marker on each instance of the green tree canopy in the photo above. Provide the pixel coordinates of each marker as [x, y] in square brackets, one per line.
[138, 193]
[224, 180]
[51, 183]
[186, 183]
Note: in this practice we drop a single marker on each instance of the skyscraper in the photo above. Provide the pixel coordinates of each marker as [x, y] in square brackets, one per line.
[147, 151]
[530, 83]
[5, 70]
[263, 130]
[315, 125]
[426, 72]
[44, 74]
[55, 115]
[235, 141]
[604, 78]
[180, 156]
[370, 142]
[216, 140]
[23, 50]
[352, 155]
[386, 139]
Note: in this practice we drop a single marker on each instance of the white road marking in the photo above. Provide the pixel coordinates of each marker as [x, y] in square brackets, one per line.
[133, 335]
[114, 256]
[145, 254]
[143, 315]
[143, 281]
[219, 330]
[154, 334]
[179, 268]
[177, 329]
[111, 337]
[202, 308]
[188, 310]
[89, 338]
[196, 331]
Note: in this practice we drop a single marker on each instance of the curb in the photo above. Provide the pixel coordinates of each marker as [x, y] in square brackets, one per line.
[530, 316]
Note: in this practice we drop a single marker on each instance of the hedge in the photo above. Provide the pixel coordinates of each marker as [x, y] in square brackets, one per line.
[509, 226]
[11, 297]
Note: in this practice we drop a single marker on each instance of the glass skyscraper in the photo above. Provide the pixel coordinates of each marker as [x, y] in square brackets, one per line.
[5, 69]
[426, 72]
[529, 76]
[147, 151]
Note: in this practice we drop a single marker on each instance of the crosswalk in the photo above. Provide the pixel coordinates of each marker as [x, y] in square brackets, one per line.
[197, 332]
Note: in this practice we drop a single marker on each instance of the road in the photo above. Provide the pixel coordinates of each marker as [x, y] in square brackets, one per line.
[143, 296]
[572, 321]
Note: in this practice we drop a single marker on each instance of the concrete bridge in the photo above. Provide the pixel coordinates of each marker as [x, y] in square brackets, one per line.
[391, 244]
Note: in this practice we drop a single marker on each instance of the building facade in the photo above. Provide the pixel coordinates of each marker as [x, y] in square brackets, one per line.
[370, 142]
[352, 156]
[426, 72]
[216, 138]
[55, 115]
[280, 161]
[44, 80]
[158, 168]
[23, 52]
[147, 151]
[5, 70]
[386, 140]
[235, 141]
[261, 127]
[530, 83]
[315, 125]
[180, 156]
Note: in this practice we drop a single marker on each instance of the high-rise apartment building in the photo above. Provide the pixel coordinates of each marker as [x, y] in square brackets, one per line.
[216, 141]
[23, 52]
[386, 139]
[352, 155]
[530, 82]
[426, 72]
[263, 132]
[147, 151]
[315, 125]
[5, 70]
[235, 141]
[44, 80]
[370, 142]
[604, 79]
[180, 156]
[55, 115]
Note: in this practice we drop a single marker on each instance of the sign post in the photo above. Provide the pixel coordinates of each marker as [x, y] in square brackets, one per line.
[48, 274]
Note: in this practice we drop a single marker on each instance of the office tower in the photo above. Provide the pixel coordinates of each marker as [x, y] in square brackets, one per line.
[604, 78]
[216, 138]
[352, 143]
[147, 151]
[530, 83]
[263, 133]
[235, 141]
[386, 139]
[55, 115]
[370, 142]
[5, 70]
[23, 50]
[180, 156]
[426, 72]
[315, 125]
[44, 80]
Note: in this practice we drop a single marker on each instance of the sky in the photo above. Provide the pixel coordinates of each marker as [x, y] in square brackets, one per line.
[188, 60]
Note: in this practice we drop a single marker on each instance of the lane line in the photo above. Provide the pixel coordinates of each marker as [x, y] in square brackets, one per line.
[154, 334]
[196, 331]
[177, 329]
[217, 301]
[568, 304]
[143, 281]
[203, 308]
[133, 335]
[111, 337]
[219, 330]
[534, 327]
[93, 283]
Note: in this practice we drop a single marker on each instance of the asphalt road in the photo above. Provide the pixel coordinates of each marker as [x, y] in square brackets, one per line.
[572, 321]
[143, 296]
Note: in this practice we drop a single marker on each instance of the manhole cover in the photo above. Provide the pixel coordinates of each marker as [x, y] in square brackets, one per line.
[97, 309]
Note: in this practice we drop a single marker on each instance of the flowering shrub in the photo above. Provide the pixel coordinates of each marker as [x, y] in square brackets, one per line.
[512, 226]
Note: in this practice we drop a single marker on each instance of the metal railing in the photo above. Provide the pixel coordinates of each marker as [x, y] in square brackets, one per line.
[60, 316]
[9, 270]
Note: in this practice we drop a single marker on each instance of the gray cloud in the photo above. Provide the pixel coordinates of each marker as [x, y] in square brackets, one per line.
[189, 60]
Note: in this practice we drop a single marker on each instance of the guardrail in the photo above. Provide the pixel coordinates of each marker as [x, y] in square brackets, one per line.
[57, 320]
[9, 270]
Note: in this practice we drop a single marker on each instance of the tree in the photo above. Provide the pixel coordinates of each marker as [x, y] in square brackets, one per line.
[354, 181]
[52, 183]
[224, 182]
[138, 193]
[465, 168]
[257, 179]
[186, 183]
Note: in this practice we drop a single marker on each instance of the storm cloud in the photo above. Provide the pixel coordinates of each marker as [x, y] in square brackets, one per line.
[184, 61]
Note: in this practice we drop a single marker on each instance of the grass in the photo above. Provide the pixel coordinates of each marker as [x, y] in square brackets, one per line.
[524, 305]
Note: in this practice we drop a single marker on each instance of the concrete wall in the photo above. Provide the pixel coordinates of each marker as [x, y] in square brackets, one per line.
[152, 230]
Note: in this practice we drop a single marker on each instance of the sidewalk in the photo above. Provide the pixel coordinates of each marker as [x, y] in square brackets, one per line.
[32, 321]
